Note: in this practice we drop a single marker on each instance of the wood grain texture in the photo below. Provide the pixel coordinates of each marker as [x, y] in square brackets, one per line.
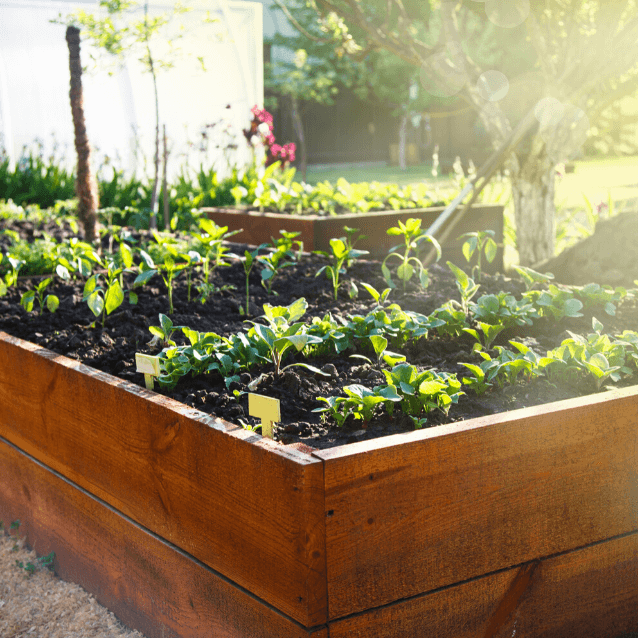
[590, 592]
[147, 583]
[246, 507]
[463, 500]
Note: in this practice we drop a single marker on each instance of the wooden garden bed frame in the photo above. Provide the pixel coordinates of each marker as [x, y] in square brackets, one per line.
[316, 231]
[185, 525]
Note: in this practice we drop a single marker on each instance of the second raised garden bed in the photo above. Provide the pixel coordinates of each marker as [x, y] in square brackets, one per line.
[523, 523]
[317, 230]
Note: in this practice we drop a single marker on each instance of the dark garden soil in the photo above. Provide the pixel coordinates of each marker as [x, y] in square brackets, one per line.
[112, 349]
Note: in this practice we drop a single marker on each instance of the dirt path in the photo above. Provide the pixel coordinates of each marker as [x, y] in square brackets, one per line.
[43, 606]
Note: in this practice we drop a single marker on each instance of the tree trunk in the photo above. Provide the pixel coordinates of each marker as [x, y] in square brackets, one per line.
[156, 162]
[403, 128]
[534, 209]
[85, 185]
[298, 124]
[167, 216]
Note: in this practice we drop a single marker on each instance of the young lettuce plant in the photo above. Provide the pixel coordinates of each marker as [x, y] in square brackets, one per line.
[412, 237]
[481, 242]
[284, 332]
[340, 254]
[50, 301]
[273, 263]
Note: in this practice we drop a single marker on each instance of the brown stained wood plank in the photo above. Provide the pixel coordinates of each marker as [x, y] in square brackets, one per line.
[590, 592]
[463, 500]
[147, 583]
[246, 507]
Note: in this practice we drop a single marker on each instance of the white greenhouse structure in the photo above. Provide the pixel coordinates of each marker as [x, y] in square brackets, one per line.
[216, 78]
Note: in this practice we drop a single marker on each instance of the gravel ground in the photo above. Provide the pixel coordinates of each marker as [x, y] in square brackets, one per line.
[43, 606]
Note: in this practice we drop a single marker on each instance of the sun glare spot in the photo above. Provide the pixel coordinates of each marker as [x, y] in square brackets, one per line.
[493, 85]
[507, 13]
[443, 74]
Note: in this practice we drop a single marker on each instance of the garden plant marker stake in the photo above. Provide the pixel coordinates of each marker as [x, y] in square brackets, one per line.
[265, 408]
[149, 366]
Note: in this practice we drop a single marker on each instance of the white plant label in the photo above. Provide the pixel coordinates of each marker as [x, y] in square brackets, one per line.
[149, 366]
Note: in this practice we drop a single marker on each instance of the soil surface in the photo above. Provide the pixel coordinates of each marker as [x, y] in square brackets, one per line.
[112, 349]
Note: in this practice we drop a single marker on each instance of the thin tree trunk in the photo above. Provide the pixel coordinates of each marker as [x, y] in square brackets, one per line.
[154, 207]
[165, 186]
[86, 184]
[403, 128]
[298, 125]
[533, 190]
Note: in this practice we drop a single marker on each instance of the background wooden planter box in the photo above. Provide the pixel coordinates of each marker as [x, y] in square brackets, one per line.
[185, 525]
[316, 231]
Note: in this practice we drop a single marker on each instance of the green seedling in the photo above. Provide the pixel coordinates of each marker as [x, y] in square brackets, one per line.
[555, 302]
[284, 332]
[410, 264]
[163, 332]
[16, 264]
[481, 243]
[350, 240]
[531, 277]
[503, 309]
[465, 285]
[273, 263]
[104, 299]
[379, 297]
[379, 345]
[487, 335]
[28, 567]
[50, 301]
[340, 255]
[191, 258]
[249, 260]
[483, 374]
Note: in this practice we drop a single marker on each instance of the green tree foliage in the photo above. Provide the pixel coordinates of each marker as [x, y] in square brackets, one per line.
[537, 72]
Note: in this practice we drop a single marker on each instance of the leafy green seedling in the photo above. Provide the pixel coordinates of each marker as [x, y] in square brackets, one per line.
[487, 335]
[273, 263]
[465, 285]
[412, 237]
[284, 332]
[531, 277]
[340, 255]
[50, 301]
[103, 300]
[379, 344]
[249, 260]
[379, 297]
[192, 258]
[28, 567]
[16, 264]
[481, 242]
[483, 375]
[164, 331]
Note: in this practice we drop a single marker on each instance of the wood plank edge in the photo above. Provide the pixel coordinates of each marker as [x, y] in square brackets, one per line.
[519, 567]
[554, 409]
[136, 528]
[297, 454]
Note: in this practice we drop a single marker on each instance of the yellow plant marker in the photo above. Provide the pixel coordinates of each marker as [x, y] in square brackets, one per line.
[265, 408]
[149, 366]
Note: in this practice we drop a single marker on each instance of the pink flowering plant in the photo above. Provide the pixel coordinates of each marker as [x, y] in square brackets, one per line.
[260, 134]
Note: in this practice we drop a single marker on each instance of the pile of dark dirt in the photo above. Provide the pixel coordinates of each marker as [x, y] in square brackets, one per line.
[608, 257]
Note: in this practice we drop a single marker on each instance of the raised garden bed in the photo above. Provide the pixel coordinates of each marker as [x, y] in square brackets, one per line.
[519, 523]
[184, 524]
[317, 230]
